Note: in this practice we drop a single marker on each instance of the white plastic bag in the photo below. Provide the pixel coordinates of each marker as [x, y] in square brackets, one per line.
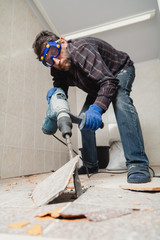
[117, 160]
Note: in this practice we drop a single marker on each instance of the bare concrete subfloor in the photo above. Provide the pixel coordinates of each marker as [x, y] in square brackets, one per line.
[110, 212]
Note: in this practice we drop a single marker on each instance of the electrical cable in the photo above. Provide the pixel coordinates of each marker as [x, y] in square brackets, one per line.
[74, 153]
[109, 172]
[64, 143]
[89, 175]
[154, 173]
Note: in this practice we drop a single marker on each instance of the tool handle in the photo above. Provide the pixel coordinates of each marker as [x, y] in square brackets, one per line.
[80, 120]
[83, 121]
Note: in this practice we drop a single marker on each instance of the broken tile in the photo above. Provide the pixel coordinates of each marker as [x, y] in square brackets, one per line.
[35, 230]
[141, 189]
[107, 214]
[79, 210]
[109, 198]
[92, 212]
[18, 224]
[136, 203]
[55, 184]
[52, 214]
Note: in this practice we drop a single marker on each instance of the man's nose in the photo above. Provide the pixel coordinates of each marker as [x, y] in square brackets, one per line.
[56, 61]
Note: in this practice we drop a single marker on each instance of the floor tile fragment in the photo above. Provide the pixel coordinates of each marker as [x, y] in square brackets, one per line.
[35, 230]
[18, 224]
[114, 213]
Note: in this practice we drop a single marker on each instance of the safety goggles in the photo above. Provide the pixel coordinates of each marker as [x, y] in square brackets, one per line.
[54, 47]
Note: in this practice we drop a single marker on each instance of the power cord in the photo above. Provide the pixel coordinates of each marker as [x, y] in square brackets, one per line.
[154, 173]
[109, 172]
[74, 153]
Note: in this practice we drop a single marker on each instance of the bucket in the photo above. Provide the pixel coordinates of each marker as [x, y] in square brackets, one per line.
[102, 155]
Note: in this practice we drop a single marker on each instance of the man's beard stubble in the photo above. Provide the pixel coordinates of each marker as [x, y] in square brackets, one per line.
[65, 64]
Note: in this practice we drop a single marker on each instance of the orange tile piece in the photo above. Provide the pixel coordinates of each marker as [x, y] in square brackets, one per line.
[139, 188]
[43, 214]
[45, 217]
[72, 187]
[53, 214]
[136, 203]
[148, 209]
[18, 224]
[35, 230]
[69, 181]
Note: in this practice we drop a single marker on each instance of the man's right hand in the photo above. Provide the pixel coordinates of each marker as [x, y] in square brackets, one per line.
[50, 93]
[93, 117]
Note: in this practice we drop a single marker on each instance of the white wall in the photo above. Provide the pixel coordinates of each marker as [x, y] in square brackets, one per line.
[146, 97]
[24, 82]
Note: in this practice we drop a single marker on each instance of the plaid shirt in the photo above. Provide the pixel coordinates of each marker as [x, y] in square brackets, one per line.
[95, 65]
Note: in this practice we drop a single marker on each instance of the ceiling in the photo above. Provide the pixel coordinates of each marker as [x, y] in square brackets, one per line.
[140, 40]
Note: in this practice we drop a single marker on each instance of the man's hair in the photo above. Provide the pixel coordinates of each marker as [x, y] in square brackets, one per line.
[41, 39]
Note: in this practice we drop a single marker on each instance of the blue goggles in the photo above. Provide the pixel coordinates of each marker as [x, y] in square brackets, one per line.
[55, 48]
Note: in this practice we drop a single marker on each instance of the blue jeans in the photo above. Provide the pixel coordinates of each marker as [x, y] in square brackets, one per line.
[128, 124]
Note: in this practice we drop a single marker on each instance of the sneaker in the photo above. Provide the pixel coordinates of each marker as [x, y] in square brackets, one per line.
[83, 170]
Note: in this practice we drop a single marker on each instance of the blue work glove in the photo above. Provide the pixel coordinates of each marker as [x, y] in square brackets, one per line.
[93, 117]
[50, 93]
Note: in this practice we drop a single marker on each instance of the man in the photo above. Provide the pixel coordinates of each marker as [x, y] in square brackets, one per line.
[106, 74]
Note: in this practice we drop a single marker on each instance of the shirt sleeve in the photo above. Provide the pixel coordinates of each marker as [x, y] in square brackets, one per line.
[92, 64]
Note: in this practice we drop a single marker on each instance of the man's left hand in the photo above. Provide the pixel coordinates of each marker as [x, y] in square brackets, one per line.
[93, 117]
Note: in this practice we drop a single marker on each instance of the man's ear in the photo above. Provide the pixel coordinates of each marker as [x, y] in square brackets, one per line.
[63, 41]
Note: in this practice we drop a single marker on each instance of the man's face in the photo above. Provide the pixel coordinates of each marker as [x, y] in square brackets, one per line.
[62, 61]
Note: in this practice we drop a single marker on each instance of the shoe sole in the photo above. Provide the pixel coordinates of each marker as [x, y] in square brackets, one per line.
[137, 181]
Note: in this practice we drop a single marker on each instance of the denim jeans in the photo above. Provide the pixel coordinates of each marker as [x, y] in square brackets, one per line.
[128, 124]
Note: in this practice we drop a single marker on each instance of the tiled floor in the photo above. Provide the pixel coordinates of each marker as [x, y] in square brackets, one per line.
[107, 211]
